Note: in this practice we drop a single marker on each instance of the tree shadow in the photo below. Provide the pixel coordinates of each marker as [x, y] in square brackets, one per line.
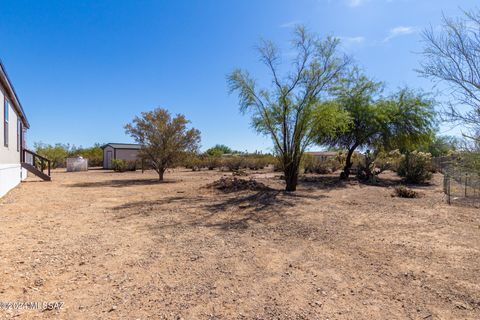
[324, 182]
[121, 183]
[148, 206]
[260, 201]
[227, 212]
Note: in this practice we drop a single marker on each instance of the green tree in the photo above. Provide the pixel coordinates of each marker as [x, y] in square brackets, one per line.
[55, 153]
[94, 154]
[218, 150]
[401, 121]
[356, 95]
[164, 140]
[285, 112]
[439, 146]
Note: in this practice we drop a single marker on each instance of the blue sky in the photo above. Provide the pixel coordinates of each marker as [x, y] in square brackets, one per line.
[83, 69]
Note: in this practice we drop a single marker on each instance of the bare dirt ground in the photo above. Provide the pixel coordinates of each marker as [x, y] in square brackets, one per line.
[123, 246]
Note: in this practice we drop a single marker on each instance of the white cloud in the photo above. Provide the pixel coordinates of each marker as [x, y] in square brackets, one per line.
[352, 40]
[400, 31]
[290, 24]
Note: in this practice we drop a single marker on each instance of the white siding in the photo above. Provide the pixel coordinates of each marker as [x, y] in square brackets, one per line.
[10, 177]
[10, 154]
[11, 173]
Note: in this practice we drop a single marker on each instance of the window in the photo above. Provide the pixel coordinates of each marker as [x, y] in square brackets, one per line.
[5, 122]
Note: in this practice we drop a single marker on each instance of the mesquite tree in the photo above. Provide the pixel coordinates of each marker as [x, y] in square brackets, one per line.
[452, 57]
[356, 94]
[164, 140]
[285, 112]
[401, 121]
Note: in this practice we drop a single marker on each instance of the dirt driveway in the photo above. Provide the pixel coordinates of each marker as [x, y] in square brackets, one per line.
[122, 246]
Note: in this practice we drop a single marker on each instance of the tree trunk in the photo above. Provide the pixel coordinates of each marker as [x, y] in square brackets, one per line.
[348, 164]
[160, 174]
[291, 176]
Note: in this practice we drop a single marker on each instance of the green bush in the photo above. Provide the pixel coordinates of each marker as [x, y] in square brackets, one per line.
[211, 162]
[191, 161]
[258, 162]
[58, 154]
[234, 163]
[228, 162]
[312, 164]
[123, 165]
[93, 154]
[388, 161]
[415, 167]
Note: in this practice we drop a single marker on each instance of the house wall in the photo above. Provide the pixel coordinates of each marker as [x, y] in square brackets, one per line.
[11, 173]
[10, 154]
[10, 176]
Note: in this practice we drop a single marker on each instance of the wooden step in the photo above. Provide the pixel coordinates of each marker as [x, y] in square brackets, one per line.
[36, 172]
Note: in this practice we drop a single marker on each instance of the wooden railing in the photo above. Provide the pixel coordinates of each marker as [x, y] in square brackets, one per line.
[36, 160]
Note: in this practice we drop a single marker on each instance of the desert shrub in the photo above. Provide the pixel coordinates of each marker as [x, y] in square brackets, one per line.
[366, 170]
[415, 167]
[252, 161]
[357, 160]
[404, 192]
[375, 163]
[228, 162]
[257, 162]
[277, 165]
[312, 164]
[120, 165]
[192, 161]
[233, 163]
[388, 160]
[210, 162]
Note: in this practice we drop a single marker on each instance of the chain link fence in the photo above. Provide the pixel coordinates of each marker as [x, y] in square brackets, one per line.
[461, 184]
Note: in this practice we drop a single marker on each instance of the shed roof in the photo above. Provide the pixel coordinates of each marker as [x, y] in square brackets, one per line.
[132, 146]
[12, 95]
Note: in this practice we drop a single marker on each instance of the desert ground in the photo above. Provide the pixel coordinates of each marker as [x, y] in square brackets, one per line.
[124, 246]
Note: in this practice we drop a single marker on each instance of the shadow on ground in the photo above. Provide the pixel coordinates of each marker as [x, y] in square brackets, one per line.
[324, 182]
[224, 211]
[121, 183]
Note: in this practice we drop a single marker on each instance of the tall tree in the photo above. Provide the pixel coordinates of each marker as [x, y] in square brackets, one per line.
[285, 111]
[401, 121]
[452, 56]
[408, 120]
[164, 140]
[356, 95]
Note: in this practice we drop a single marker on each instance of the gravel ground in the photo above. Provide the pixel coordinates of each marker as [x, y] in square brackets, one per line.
[123, 246]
